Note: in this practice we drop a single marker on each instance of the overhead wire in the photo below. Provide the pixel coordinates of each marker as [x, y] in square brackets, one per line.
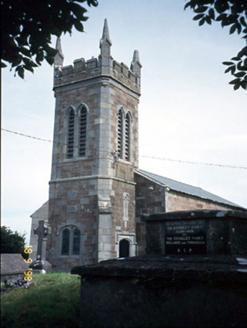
[145, 156]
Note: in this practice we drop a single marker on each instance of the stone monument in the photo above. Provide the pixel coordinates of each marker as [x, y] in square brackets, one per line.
[193, 275]
[40, 264]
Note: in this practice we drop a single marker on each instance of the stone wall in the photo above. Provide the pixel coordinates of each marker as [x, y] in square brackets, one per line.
[152, 197]
[87, 192]
[180, 202]
[160, 292]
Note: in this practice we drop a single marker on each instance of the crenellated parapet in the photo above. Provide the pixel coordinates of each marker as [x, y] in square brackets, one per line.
[103, 66]
[126, 76]
[87, 69]
[80, 70]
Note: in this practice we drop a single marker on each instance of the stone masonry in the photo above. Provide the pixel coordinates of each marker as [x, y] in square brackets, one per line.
[87, 192]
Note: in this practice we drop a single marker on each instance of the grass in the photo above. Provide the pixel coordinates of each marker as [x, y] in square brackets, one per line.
[52, 301]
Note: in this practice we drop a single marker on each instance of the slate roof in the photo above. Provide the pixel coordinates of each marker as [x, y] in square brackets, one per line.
[186, 189]
[13, 264]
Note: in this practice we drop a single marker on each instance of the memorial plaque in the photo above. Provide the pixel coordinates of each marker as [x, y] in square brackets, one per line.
[185, 237]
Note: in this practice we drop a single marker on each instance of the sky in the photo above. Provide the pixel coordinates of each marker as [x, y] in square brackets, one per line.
[187, 113]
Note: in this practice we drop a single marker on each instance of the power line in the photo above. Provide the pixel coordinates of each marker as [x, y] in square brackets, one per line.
[26, 135]
[197, 163]
[151, 157]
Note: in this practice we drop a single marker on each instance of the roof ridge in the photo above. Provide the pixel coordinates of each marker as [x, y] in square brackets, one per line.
[188, 189]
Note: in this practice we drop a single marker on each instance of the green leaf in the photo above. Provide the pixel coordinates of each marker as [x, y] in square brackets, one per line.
[199, 16]
[208, 20]
[234, 81]
[92, 2]
[78, 10]
[50, 60]
[228, 63]
[244, 86]
[187, 5]
[29, 68]
[243, 22]
[221, 17]
[79, 26]
[20, 71]
[221, 6]
[200, 9]
[230, 68]
[211, 13]
[233, 29]
[202, 21]
[241, 67]
[240, 74]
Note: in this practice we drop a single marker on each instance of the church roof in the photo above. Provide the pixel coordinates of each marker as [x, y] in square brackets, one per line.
[186, 189]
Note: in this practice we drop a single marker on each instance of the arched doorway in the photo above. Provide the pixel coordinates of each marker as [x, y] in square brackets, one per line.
[124, 248]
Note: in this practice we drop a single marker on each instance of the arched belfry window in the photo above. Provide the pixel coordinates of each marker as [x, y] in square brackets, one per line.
[124, 122]
[76, 127]
[71, 133]
[82, 130]
[120, 129]
[127, 136]
[71, 239]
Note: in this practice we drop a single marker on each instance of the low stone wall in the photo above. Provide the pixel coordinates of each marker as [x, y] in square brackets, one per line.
[164, 291]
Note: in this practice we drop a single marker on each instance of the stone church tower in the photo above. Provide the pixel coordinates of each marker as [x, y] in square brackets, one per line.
[95, 154]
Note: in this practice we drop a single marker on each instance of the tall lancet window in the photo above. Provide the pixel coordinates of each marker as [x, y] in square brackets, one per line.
[76, 242]
[71, 132]
[120, 133]
[65, 242]
[127, 137]
[82, 131]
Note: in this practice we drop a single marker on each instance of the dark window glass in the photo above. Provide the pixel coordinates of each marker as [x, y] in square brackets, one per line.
[76, 242]
[65, 242]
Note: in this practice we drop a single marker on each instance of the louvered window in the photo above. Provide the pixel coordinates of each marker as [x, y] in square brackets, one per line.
[120, 134]
[127, 138]
[71, 131]
[83, 132]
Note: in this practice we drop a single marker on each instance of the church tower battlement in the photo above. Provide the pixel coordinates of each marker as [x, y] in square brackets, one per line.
[104, 65]
[95, 154]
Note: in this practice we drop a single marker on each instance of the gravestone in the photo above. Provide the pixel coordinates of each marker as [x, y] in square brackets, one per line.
[193, 275]
[197, 232]
[13, 266]
[40, 264]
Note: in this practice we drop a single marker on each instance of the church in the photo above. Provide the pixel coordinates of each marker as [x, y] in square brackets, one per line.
[97, 192]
